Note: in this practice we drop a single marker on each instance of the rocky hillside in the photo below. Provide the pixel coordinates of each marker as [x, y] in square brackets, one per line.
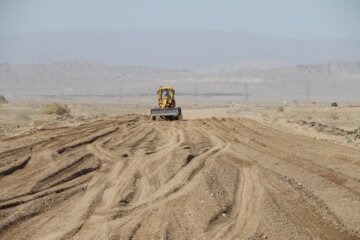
[339, 79]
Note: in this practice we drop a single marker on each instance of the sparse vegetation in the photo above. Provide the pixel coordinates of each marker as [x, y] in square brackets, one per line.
[280, 109]
[56, 108]
[3, 99]
[334, 116]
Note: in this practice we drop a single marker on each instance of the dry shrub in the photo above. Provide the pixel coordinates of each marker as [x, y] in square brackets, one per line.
[334, 116]
[56, 108]
[280, 109]
[3, 99]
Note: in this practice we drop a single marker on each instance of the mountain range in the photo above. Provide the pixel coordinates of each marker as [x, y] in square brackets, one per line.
[340, 80]
[202, 51]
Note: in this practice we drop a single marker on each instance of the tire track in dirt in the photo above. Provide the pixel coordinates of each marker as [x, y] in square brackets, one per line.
[216, 178]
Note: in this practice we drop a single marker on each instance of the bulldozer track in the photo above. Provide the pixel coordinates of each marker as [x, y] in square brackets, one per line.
[217, 178]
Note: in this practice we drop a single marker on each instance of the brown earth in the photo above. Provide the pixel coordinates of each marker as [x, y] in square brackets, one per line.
[215, 178]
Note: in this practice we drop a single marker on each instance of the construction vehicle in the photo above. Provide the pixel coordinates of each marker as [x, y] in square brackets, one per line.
[166, 108]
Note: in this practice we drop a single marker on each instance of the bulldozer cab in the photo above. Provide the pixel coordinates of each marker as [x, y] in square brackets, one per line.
[166, 97]
[165, 93]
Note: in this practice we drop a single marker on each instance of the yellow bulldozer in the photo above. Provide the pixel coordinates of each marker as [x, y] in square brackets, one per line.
[166, 108]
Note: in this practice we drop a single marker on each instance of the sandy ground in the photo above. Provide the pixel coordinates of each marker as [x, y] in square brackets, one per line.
[225, 173]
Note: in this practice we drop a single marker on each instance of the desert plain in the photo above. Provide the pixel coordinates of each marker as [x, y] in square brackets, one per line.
[226, 171]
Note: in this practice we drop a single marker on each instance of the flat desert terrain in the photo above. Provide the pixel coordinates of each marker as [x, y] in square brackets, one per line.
[232, 172]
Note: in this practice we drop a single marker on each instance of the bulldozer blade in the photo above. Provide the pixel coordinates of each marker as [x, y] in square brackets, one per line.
[166, 112]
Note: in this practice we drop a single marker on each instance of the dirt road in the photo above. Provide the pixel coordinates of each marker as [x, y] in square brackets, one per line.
[130, 178]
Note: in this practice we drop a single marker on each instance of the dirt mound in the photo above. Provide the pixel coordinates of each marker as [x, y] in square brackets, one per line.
[65, 117]
[130, 178]
[352, 135]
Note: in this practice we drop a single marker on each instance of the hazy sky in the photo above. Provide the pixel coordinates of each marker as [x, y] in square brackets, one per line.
[284, 18]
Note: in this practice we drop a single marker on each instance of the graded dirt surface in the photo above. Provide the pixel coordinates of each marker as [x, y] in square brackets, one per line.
[212, 178]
